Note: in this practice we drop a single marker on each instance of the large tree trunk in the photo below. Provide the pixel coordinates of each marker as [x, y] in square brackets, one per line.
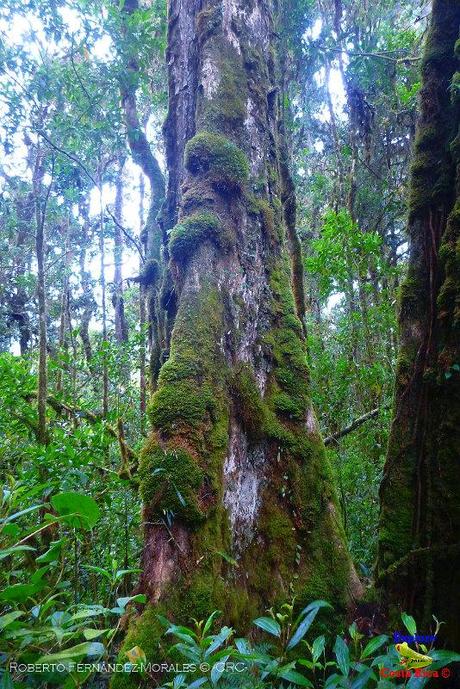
[235, 464]
[419, 544]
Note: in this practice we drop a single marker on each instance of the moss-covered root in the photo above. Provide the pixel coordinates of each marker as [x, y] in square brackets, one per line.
[146, 632]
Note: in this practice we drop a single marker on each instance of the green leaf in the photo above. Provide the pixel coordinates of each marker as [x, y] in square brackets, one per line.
[268, 625]
[19, 593]
[343, 655]
[409, 623]
[81, 650]
[139, 598]
[12, 517]
[445, 656]
[316, 604]
[209, 621]
[218, 640]
[10, 617]
[302, 629]
[227, 558]
[79, 510]
[373, 645]
[218, 669]
[14, 549]
[52, 554]
[90, 633]
[318, 647]
[104, 572]
[294, 677]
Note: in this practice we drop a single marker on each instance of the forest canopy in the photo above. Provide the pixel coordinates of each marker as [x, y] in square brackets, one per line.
[229, 343]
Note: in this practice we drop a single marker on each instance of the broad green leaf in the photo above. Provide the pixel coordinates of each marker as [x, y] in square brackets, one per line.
[361, 681]
[52, 554]
[78, 509]
[315, 605]
[10, 617]
[409, 623]
[268, 625]
[217, 641]
[294, 677]
[218, 669]
[318, 647]
[13, 550]
[209, 621]
[343, 655]
[20, 592]
[373, 645]
[91, 649]
[91, 634]
[302, 629]
[139, 598]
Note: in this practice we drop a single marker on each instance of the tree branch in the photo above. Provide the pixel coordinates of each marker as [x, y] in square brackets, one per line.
[354, 425]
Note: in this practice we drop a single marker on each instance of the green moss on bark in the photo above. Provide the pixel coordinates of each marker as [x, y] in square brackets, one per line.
[169, 482]
[219, 159]
[192, 231]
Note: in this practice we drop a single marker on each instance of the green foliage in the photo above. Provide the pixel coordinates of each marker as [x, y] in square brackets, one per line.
[342, 251]
[42, 620]
[287, 657]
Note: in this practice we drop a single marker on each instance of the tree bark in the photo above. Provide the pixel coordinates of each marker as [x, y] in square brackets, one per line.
[235, 463]
[419, 542]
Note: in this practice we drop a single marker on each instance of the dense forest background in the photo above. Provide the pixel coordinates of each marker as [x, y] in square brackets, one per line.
[86, 299]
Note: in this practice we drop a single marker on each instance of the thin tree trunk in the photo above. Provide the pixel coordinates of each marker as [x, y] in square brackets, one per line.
[419, 541]
[40, 248]
[121, 328]
[105, 372]
[64, 307]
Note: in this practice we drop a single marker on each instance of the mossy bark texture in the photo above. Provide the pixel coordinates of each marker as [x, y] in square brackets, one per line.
[240, 510]
[418, 565]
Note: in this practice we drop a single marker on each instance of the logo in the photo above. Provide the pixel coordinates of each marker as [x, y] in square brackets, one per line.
[410, 659]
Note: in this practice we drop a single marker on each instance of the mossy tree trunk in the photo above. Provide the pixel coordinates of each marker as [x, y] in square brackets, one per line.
[419, 541]
[235, 468]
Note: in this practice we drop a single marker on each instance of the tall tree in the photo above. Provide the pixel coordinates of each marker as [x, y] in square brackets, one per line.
[240, 508]
[419, 550]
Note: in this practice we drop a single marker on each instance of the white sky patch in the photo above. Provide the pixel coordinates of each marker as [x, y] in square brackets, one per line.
[313, 32]
[333, 301]
[318, 146]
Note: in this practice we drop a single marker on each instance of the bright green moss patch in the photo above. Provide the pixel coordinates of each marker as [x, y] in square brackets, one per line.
[180, 402]
[218, 157]
[192, 231]
[169, 482]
